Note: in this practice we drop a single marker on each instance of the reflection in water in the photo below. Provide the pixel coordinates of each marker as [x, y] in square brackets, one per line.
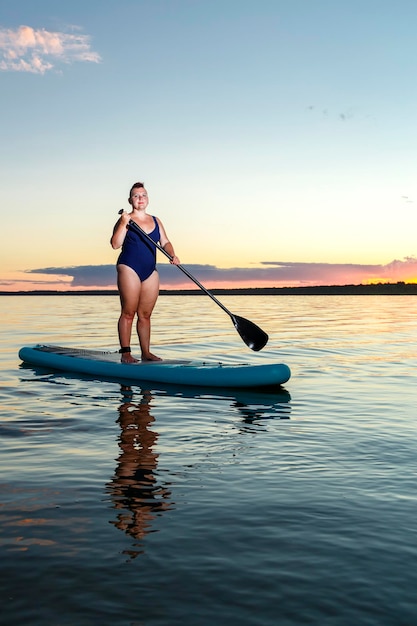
[255, 409]
[134, 489]
[137, 497]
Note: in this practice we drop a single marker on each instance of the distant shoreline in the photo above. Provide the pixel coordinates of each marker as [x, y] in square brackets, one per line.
[379, 289]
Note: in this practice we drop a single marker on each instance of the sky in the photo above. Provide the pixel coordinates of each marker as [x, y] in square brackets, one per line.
[276, 139]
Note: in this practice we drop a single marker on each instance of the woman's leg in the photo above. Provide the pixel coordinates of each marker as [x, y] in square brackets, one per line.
[147, 299]
[129, 286]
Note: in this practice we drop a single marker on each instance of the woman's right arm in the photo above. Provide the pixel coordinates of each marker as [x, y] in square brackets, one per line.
[119, 231]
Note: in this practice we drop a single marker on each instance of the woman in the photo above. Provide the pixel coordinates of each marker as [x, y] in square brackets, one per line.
[137, 277]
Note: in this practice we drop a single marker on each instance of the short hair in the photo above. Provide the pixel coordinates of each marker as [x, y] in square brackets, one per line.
[134, 186]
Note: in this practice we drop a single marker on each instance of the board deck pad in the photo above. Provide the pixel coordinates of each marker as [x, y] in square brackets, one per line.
[101, 355]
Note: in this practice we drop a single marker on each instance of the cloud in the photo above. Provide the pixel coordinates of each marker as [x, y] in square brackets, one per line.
[271, 273]
[37, 51]
[82, 275]
[342, 273]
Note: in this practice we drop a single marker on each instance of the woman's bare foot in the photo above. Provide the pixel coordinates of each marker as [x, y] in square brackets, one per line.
[150, 357]
[128, 358]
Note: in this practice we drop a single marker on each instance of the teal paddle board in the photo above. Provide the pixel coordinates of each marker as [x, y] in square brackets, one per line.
[177, 372]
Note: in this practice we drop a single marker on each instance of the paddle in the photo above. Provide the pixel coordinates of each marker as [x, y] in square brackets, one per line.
[254, 337]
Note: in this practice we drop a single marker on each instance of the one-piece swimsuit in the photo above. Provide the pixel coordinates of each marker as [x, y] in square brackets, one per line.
[139, 253]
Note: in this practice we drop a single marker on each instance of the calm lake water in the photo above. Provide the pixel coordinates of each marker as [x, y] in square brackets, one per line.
[144, 506]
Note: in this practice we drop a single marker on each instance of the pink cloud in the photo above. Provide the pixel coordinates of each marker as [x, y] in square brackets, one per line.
[36, 51]
[270, 274]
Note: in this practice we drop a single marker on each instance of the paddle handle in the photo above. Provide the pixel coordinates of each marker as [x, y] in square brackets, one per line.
[140, 230]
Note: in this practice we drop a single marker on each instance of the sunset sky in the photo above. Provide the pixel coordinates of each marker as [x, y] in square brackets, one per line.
[277, 139]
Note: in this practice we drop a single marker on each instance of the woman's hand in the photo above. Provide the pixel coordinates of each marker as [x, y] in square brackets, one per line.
[124, 218]
[119, 231]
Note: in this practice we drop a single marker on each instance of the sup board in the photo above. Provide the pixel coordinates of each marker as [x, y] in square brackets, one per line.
[177, 372]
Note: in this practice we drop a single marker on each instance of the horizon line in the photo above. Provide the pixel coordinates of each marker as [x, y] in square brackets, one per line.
[397, 287]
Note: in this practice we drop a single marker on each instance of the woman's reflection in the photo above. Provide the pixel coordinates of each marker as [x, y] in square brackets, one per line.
[134, 489]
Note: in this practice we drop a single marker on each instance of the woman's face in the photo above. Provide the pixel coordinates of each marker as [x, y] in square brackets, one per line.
[139, 198]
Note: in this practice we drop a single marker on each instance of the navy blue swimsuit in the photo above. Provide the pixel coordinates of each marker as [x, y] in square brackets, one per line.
[138, 253]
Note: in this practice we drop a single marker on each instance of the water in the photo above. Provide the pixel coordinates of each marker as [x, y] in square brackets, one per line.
[133, 506]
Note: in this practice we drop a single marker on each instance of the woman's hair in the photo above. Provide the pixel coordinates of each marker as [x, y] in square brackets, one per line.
[134, 186]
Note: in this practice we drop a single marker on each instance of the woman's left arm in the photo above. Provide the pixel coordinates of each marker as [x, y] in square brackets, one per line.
[166, 244]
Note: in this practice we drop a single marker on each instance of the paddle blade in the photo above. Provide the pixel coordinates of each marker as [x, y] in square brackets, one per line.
[252, 335]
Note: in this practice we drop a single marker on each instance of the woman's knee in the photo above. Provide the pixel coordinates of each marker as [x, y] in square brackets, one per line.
[145, 315]
[128, 315]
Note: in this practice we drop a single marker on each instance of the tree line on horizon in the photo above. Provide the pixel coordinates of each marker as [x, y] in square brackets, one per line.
[398, 288]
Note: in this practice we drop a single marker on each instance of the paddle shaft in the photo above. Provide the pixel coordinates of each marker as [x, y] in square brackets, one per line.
[182, 268]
